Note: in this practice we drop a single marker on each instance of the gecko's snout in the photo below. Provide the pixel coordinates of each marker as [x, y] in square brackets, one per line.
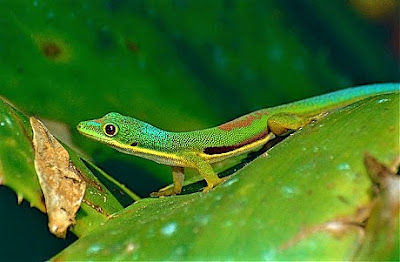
[88, 127]
[80, 126]
[83, 127]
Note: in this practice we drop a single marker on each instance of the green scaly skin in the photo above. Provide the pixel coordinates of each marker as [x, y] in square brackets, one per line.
[197, 149]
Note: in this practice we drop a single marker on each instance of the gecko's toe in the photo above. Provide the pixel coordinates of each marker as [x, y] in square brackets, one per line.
[214, 183]
[166, 191]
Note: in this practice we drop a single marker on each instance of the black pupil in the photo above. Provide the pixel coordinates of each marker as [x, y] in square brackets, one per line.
[110, 130]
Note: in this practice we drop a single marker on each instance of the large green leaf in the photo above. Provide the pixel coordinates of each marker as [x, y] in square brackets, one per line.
[302, 200]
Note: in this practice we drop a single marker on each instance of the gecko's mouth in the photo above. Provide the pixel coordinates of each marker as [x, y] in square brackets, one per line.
[84, 131]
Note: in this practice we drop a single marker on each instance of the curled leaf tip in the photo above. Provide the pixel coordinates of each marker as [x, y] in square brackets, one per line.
[61, 182]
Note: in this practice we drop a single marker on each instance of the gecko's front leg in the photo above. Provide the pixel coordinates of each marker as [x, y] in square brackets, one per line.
[205, 170]
[196, 162]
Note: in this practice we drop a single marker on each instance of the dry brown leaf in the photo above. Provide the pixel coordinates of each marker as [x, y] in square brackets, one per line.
[61, 182]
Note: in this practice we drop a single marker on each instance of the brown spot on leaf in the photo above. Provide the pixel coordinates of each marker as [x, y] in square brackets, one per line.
[132, 46]
[62, 186]
[242, 121]
[98, 208]
[330, 186]
[53, 48]
[343, 199]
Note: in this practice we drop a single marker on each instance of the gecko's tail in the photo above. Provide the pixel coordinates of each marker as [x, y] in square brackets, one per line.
[341, 97]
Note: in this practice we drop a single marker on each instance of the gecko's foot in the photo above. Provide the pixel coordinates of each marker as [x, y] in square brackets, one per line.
[166, 191]
[214, 183]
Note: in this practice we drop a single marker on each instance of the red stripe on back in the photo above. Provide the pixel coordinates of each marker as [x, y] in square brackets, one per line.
[241, 121]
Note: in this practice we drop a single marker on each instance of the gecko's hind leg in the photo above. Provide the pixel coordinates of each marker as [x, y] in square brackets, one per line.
[283, 123]
[178, 176]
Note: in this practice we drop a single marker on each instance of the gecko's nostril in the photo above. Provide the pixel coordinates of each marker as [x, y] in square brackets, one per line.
[79, 126]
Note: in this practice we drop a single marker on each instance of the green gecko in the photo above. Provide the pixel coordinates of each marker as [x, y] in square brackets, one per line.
[199, 149]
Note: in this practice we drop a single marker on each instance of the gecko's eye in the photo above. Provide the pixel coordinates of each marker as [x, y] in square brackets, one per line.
[110, 129]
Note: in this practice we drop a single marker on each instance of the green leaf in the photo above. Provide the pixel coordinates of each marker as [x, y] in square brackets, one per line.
[301, 200]
[17, 170]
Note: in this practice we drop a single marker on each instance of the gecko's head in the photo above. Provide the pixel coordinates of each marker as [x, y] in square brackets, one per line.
[114, 130]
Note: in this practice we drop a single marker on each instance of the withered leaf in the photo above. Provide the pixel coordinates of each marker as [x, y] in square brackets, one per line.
[61, 182]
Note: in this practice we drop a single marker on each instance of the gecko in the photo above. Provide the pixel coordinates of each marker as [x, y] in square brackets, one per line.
[198, 149]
